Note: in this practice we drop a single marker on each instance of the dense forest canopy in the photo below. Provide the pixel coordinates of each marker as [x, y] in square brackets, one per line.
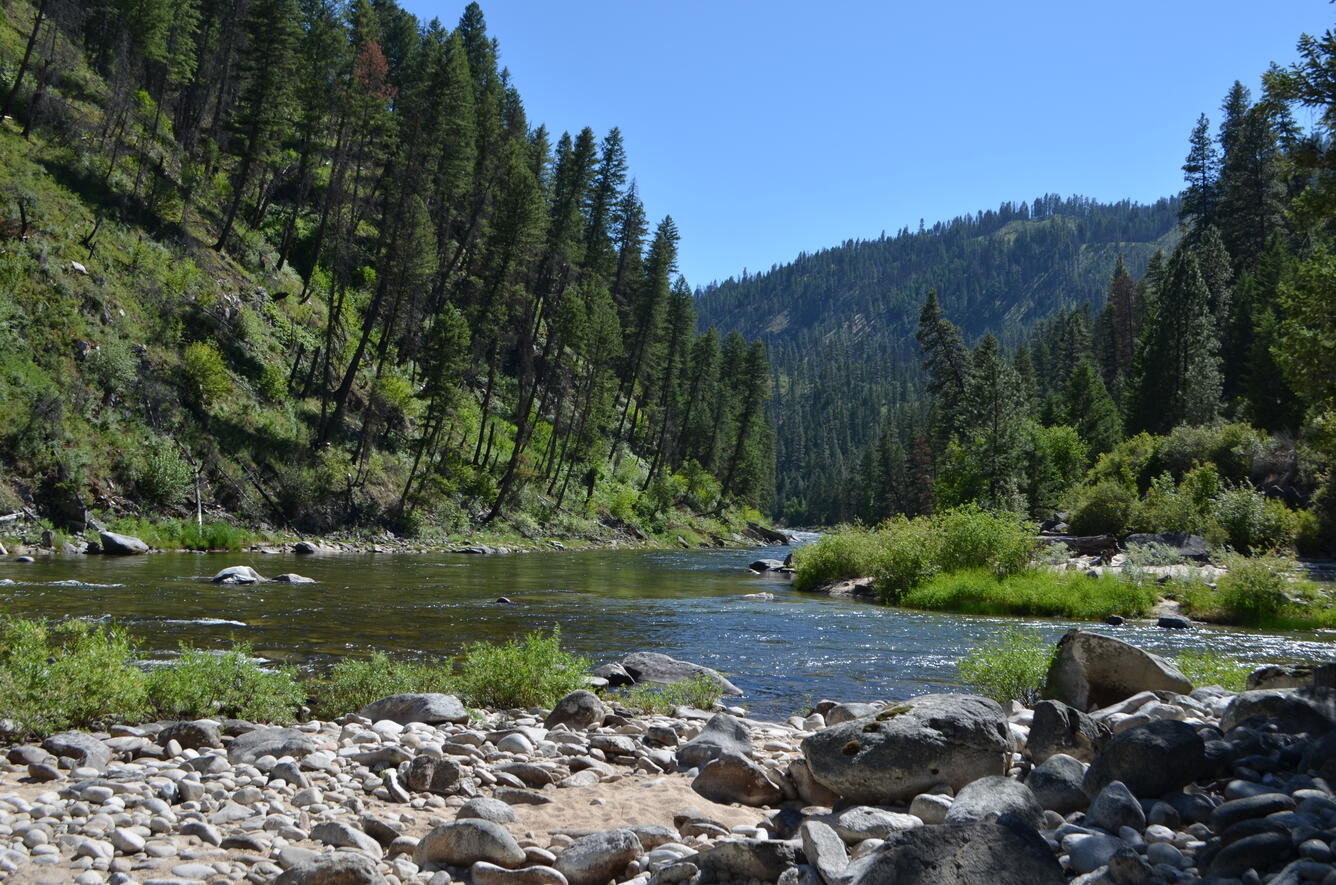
[313, 256]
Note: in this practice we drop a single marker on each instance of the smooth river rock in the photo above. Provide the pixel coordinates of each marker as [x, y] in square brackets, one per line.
[994, 796]
[598, 857]
[1152, 759]
[465, 842]
[1091, 671]
[734, 778]
[908, 748]
[982, 853]
[431, 708]
[722, 734]
[653, 667]
[114, 544]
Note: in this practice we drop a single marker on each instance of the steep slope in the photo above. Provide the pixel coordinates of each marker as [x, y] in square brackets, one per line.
[839, 324]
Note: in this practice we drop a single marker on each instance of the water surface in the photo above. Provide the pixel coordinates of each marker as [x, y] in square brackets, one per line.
[784, 653]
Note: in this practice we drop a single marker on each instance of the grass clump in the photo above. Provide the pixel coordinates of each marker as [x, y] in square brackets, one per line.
[226, 683]
[186, 534]
[1012, 666]
[700, 691]
[1210, 668]
[531, 672]
[71, 675]
[352, 683]
[1039, 593]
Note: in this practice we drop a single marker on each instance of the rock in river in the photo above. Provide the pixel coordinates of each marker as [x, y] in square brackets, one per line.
[1090, 671]
[908, 748]
[238, 574]
[121, 545]
[651, 666]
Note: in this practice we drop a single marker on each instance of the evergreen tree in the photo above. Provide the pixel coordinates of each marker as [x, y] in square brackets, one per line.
[1088, 407]
[1201, 170]
[947, 362]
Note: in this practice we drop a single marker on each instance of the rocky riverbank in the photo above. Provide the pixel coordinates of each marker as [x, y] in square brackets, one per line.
[1132, 776]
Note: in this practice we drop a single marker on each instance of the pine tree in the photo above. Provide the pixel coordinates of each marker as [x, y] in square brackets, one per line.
[1089, 408]
[947, 362]
[996, 415]
[1201, 170]
[1116, 328]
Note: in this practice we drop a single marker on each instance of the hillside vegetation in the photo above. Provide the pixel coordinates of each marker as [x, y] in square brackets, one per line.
[312, 261]
[839, 324]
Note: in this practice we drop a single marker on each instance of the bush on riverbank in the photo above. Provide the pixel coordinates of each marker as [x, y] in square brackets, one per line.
[531, 672]
[231, 684]
[905, 553]
[699, 691]
[1010, 667]
[186, 534]
[352, 683]
[1262, 591]
[1036, 593]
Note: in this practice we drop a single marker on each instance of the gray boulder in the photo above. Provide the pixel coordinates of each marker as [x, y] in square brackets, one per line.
[483, 808]
[733, 778]
[1091, 671]
[825, 850]
[981, 853]
[344, 835]
[766, 565]
[1310, 709]
[114, 544]
[1056, 784]
[909, 748]
[465, 842]
[653, 667]
[276, 742]
[1152, 759]
[614, 673]
[1058, 728]
[1114, 808]
[339, 868]
[431, 708]
[1093, 852]
[82, 748]
[191, 735]
[428, 774]
[293, 578]
[861, 822]
[993, 796]
[305, 548]
[483, 873]
[748, 859]
[599, 857]
[579, 710]
[722, 734]
[841, 713]
[238, 574]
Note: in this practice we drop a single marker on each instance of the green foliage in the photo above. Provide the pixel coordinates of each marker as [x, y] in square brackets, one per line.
[1252, 523]
[205, 373]
[71, 675]
[159, 474]
[848, 552]
[700, 692]
[910, 555]
[1152, 553]
[185, 534]
[1012, 666]
[352, 683]
[1039, 593]
[1105, 508]
[1206, 667]
[531, 672]
[1254, 590]
[227, 683]
[976, 538]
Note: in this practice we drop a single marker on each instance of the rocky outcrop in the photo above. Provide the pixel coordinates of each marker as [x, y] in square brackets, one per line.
[1090, 670]
[910, 747]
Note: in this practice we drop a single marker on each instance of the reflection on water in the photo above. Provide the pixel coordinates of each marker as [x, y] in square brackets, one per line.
[784, 653]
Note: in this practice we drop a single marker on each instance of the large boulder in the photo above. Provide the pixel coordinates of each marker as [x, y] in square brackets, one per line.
[1058, 728]
[1152, 759]
[993, 796]
[431, 708]
[598, 857]
[114, 544]
[465, 842]
[734, 778]
[580, 710]
[1091, 671]
[908, 748]
[238, 574]
[276, 742]
[1310, 709]
[659, 669]
[1056, 784]
[84, 749]
[980, 853]
[338, 868]
[722, 734]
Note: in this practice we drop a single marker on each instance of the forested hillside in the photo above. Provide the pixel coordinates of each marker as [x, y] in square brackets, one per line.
[313, 259]
[839, 324]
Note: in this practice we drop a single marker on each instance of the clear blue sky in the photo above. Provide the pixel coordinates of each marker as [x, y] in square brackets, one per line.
[769, 127]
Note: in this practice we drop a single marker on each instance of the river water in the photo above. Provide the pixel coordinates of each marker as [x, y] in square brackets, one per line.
[784, 653]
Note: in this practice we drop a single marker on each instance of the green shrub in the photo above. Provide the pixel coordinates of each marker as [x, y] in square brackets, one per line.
[910, 556]
[159, 474]
[1308, 534]
[352, 683]
[1254, 590]
[531, 672]
[1011, 667]
[699, 691]
[976, 538]
[848, 552]
[1231, 449]
[1210, 668]
[1251, 523]
[205, 373]
[1039, 593]
[1104, 508]
[1152, 553]
[72, 675]
[226, 683]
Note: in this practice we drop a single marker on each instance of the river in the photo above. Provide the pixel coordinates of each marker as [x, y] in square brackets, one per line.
[784, 653]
